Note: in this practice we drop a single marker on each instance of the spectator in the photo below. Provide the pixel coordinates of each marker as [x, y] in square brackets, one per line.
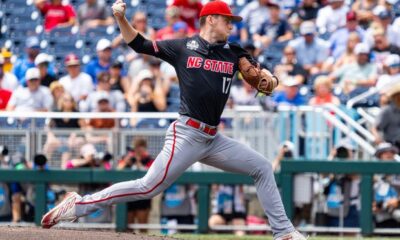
[307, 10]
[347, 57]
[117, 81]
[189, 12]
[8, 64]
[243, 94]
[388, 122]
[94, 13]
[290, 94]
[254, 14]
[343, 191]
[229, 207]
[363, 9]
[56, 14]
[386, 81]
[57, 90]
[331, 17]
[275, 29]
[103, 105]
[42, 63]
[339, 38]
[323, 92]
[33, 97]
[64, 144]
[27, 61]
[103, 61]
[382, 48]
[382, 19]
[77, 83]
[289, 66]
[180, 30]
[8, 81]
[115, 97]
[362, 73]
[311, 51]
[138, 158]
[5, 96]
[171, 17]
[386, 203]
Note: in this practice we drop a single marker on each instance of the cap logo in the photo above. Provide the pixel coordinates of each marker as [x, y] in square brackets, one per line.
[192, 45]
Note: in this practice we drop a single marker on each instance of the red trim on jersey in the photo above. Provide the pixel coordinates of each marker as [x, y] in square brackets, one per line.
[139, 193]
[155, 46]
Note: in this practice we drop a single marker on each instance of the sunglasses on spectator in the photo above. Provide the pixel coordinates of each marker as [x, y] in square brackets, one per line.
[33, 79]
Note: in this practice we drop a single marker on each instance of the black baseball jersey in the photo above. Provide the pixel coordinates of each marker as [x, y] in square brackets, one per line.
[205, 72]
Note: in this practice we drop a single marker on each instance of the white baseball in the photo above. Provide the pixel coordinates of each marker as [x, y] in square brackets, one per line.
[118, 7]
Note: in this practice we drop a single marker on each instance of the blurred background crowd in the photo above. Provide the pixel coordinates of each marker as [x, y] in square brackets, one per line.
[68, 56]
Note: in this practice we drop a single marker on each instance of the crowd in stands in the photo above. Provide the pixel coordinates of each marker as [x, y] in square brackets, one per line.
[71, 58]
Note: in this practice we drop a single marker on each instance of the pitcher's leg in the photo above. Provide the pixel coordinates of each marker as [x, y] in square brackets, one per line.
[230, 155]
[173, 160]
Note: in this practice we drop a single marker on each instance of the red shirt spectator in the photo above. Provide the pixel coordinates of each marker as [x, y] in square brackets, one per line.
[5, 96]
[56, 14]
[189, 11]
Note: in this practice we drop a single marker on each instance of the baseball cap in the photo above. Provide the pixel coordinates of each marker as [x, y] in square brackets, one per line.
[32, 42]
[218, 7]
[88, 149]
[290, 82]
[117, 64]
[361, 48]
[32, 73]
[307, 27]
[71, 60]
[351, 16]
[391, 2]
[143, 74]
[103, 44]
[103, 95]
[42, 58]
[393, 60]
[381, 12]
[385, 147]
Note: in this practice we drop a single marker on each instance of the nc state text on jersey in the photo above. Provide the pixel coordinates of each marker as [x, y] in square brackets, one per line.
[210, 65]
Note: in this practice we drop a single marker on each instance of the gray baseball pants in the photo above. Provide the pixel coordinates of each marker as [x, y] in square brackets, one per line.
[185, 145]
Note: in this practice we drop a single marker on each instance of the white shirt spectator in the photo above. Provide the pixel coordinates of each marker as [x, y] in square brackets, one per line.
[25, 100]
[78, 87]
[116, 98]
[254, 15]
[316, 52]
[329, 19]
[9, 82]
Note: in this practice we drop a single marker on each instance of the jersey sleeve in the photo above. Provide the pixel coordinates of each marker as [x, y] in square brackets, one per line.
[167, 50]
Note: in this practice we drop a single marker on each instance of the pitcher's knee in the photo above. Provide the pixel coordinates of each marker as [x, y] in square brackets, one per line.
[262, 170]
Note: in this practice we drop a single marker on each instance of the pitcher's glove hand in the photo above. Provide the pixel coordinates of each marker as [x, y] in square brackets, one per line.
[261, 79]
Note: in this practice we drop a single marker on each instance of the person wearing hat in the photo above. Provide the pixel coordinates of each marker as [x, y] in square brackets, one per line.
[275, 29]
[311, 50]
[42, 62]
[103, 61]
[290, 94]
[392, 77]
[56, 14]
[79, 84]
[253, 14]
[360, 74]
[338, 39]
[23, 63]
[332, 16]
[382, 46]
[94, 13]
[189, 11]
[382, 18]
[205, 64]
[115, 97]
[34, 97]
[387, 125]
[118, 81]
[8, 64]
[172, 16]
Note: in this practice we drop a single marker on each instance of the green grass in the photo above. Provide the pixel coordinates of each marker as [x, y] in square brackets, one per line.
[260, 237]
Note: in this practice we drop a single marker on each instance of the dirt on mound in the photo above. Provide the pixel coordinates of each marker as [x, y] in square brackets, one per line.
[32, 233]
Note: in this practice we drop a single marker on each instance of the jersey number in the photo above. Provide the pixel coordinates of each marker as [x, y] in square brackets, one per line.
[226, 83]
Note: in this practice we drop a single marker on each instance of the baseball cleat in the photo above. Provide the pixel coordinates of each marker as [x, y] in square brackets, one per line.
[64, 211]
[292, 236]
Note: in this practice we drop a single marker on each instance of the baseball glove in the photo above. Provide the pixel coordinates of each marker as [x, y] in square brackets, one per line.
[260, 79]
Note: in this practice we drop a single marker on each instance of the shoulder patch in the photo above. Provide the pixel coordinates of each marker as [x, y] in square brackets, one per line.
[192, 45]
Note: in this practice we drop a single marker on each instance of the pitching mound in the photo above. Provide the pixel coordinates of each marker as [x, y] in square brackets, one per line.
[32, 233]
